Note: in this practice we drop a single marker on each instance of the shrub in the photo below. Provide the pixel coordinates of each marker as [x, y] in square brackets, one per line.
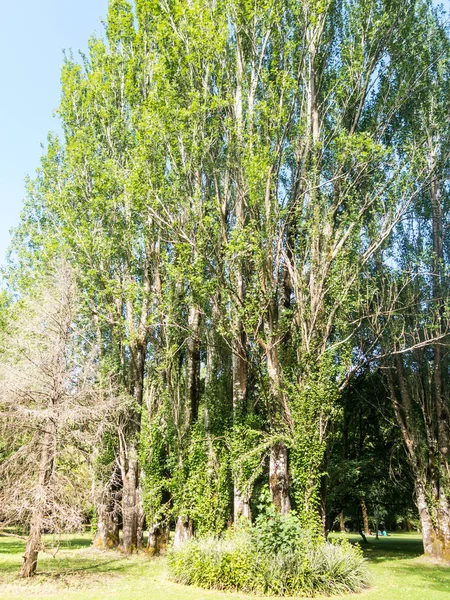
[268, 559]
[338, 568]
[216, 563]
[273, 533]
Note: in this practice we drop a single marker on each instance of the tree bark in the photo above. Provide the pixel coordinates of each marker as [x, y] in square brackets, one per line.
[365, 515]
[279, 478]
[158, 539]
[183, 531]
[341, 522]
[107, 534]
[130, 477]
[108, 510]
[46, 464]
[33, 546]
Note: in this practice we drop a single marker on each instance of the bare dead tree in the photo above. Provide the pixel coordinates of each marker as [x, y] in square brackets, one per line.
[52, 406]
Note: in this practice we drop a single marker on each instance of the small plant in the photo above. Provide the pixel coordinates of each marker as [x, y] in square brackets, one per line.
[273, 533]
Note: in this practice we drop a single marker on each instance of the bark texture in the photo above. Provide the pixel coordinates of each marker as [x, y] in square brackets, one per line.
[128, 454]
[184, 531]
[130, 477]
[46, 465]
[108, 512]
[365, 515]
[279, 478]
[158, 539]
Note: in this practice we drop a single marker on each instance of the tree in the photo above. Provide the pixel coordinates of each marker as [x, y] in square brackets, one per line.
[417, 335]
[50, 404]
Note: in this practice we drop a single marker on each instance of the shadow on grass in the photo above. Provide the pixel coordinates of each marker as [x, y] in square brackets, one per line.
[11, 547]
[428, 576]
[94, 567]
[392, 549]
[76, 543]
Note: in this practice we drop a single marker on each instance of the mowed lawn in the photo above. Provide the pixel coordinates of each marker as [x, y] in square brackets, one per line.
[79, 572]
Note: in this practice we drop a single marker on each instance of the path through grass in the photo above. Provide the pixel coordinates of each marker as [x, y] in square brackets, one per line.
[81, 573]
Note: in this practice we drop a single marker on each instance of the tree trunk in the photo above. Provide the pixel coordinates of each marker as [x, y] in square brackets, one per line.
[323, 504]
[33, 546]
[365, 516]
[128, 455]
[428, 535]
[440, 366]
[279, 478]
[341, 522]
[140, 520]
[193, 367]
[241, 501]
[241, 506]
[183, 531]
[278, 464]
[107, 534]
[433, 544]
[107, 511]
[158, 539]
[130, 505]
[184, 526]
[443, 523]
[46, 464]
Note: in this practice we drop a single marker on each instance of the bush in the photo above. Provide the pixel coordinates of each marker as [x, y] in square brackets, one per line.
[273, 558]
[338, 568]
[215, 563]
[273, 533]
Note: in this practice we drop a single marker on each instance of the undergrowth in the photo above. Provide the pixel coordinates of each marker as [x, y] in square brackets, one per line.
[274, 559]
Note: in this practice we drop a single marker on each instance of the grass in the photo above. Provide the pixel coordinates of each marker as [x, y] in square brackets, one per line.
[79, 572]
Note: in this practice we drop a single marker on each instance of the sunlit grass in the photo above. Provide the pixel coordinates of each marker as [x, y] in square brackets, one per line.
[77, 571]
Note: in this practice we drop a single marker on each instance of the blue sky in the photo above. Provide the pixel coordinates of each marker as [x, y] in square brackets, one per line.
[33, 34]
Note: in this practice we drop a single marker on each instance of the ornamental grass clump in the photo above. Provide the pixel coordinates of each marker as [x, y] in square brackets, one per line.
[273, 557]
[337, 568]
[217, 563]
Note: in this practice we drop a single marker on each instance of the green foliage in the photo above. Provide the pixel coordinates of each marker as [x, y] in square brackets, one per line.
[274, 533]
[227, 564]
[256, 163]
[338, 568]
[206, 494]
[249, 561]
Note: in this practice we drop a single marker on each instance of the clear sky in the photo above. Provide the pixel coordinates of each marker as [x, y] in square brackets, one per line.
[33, 34]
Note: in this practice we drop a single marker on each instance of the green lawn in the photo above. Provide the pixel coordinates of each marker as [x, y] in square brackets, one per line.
[81, 573]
